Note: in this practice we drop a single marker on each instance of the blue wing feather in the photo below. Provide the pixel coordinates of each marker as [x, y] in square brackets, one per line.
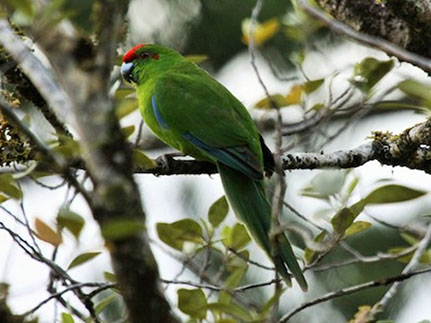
[230, 156]
[157, 114]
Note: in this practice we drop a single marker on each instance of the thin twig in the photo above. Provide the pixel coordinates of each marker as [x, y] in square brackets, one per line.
[423, 245]
[374, 42]
[31, 233]
[65, 290]
[216, 288]
[255, 263]
[352, 290]
[365, 259]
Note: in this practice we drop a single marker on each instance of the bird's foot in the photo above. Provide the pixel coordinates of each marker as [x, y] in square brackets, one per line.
[165, 160]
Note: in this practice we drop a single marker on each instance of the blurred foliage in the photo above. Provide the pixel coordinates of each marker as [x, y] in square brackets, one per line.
[280, 34]
[220, 39]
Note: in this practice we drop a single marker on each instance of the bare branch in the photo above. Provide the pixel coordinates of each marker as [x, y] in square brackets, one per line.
[409, 149]
[380, 43]
[364, 259]
[65, 290]
[352, 290]
[41, 78]
[423, 245]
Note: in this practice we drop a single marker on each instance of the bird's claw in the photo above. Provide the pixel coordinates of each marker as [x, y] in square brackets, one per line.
[165, 160]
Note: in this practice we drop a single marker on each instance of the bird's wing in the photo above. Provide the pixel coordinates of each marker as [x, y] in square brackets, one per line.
[207, 115]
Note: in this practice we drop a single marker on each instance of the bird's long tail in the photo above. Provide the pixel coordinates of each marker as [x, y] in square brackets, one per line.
[248, 199]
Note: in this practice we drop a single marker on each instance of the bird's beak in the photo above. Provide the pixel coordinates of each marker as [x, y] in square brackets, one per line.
[126, 71]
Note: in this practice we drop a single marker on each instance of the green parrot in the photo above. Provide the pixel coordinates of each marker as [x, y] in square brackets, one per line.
[189, 110]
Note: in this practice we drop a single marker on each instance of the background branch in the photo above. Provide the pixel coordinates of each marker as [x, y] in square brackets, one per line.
[352, 290]
[390, 38]
[423, 245]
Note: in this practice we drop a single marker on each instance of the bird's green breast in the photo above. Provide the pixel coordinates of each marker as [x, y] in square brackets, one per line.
[169, 134]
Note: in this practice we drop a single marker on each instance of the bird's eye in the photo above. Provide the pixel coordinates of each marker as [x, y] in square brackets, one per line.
[145, 55]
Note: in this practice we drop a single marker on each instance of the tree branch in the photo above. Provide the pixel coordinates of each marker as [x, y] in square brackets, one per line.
[409, 149]
[352, 290]
[423, 245]
[387, 32]
[108, 160]
[65, 290]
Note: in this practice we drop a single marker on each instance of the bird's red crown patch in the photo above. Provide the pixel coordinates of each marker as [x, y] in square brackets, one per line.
[131, 54]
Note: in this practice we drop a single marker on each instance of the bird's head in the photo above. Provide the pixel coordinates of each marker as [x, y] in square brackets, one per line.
[146, 60]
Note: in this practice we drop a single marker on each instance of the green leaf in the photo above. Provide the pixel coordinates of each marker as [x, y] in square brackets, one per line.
[352, 185]
[110, 277]
[83, 258]
[363, 315]
[103, 304]
[268, 306]
[410, 239]
[218, 211]
[26, 7]
[309, 253]
[358, 207]
[126, 107]
[236, 237]
[371, 71]
[223, 320]
[169, 235]
[142, 160]
[71, 221]
[393, 193]
[266, 103]
[67, 318]
[176, 233]
[9, 186]
[192, 302]
[120, 229]
[345, 217]
[3, 198]
[231, 282]
[342, 220]
[417, 89]
[357, 227]
[190, 230]
[295, 95]
[67, 147]
[317, 107]
[128, 131]
[234, 261]
[262, 31]
[230, 309]
[398, 250]
[122, 92]
[425, 258]
[311, 86]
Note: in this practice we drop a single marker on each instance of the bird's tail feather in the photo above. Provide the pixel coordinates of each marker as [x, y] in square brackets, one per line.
[248, 199]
